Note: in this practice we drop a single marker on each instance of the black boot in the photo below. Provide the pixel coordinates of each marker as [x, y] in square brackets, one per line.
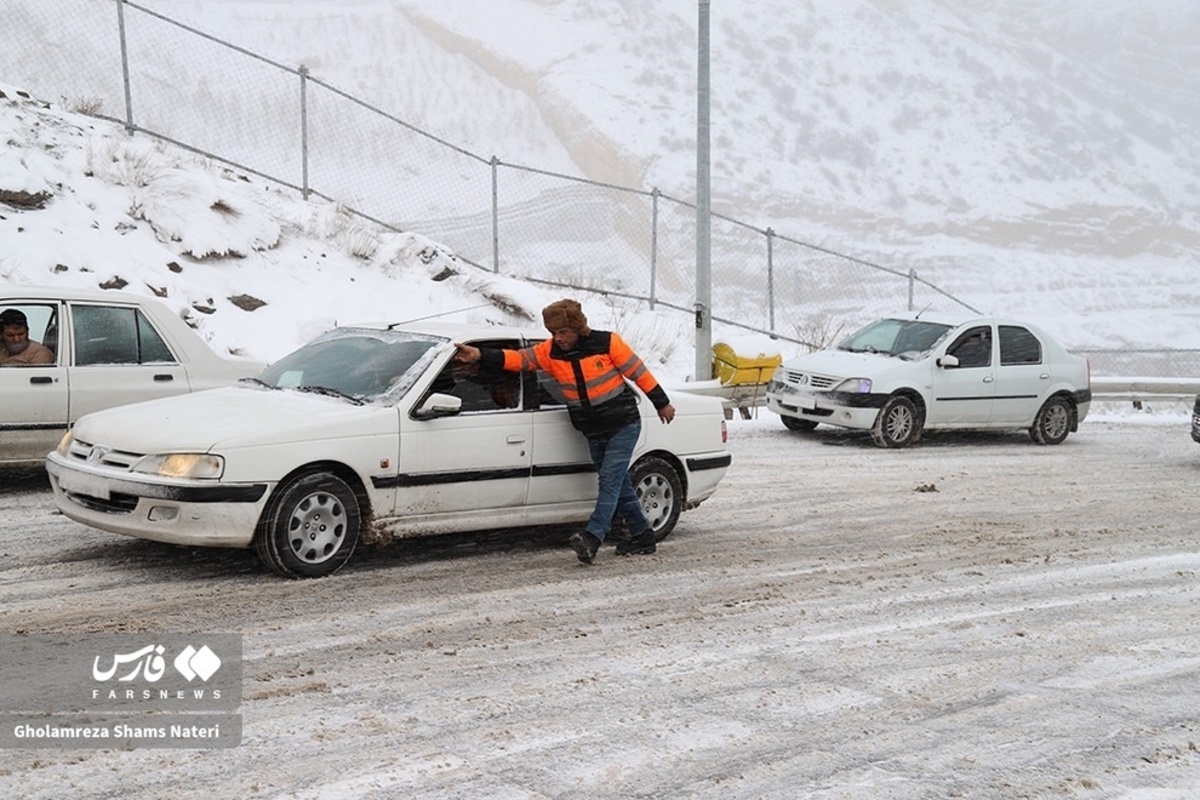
[585, 545]
[640, 545]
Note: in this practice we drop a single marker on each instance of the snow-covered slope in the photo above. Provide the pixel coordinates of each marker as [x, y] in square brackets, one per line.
[1035, 159]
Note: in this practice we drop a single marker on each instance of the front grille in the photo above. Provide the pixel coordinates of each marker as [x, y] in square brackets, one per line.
[797, 378]
[99, 455]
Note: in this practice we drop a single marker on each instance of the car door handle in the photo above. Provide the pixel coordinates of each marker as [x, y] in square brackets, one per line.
[515, 438]
[989, 379]
[41, 379]
[163, 376]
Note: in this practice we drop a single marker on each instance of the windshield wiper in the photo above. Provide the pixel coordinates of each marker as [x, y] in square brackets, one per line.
[257, 382]
[331, 392]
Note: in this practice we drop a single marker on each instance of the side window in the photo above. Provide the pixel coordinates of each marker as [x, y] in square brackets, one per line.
[1019, 346]
[112, 335]
[973, 348]
[480, 389]
[151, 347]
[35, 326]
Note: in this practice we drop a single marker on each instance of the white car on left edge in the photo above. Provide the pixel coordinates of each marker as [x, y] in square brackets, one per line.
[368, 428]
[110, 348]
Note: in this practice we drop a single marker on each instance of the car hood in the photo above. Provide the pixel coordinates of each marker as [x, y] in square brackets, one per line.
[844, 364]
[233, 417]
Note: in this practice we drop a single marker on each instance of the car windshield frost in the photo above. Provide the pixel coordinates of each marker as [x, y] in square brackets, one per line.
[903, 338]
[359, 365]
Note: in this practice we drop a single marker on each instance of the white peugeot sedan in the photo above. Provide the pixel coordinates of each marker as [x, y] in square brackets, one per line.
[905, 374]
[371, 431]
[110, 348]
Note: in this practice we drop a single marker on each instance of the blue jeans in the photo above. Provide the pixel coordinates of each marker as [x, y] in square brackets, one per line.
[611, 457]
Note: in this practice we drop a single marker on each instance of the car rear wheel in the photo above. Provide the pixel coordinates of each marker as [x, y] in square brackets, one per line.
[798, 424]
[898, 424]
[1052, 423]
[310, 527]
[660, 489]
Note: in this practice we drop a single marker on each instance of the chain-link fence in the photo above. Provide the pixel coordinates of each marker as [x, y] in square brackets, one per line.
[1143, 363]
[285, 125]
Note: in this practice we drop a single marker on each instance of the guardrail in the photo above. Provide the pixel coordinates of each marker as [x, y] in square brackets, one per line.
[1137, 390]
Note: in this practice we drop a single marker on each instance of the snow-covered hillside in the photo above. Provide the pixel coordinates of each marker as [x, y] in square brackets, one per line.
[1070, 124]
[1035, 159]
[83, 205]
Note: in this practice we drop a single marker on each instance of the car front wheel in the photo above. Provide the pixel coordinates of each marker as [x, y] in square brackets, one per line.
[1052, 423]
[310, 527]
[660, 489]
[898, 423]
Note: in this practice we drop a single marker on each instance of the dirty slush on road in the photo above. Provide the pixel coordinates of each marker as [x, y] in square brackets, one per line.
[976, 616]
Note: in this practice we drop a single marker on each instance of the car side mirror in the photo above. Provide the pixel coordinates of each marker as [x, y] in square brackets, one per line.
[439, 405]
[948, 361]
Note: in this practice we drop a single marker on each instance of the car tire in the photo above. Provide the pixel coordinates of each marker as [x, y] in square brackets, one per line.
[310, 527]
[898, 424]
[798, 424]
[660, 489]
[1053, 422]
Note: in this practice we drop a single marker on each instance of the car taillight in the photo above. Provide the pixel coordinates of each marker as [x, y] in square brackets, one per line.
[724, 433]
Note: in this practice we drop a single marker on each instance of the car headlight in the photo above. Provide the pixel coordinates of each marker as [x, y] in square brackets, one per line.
[854, 386]
[182, 465]
[64, 444]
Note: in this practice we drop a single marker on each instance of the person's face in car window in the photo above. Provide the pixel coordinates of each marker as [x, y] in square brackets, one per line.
[16, 339]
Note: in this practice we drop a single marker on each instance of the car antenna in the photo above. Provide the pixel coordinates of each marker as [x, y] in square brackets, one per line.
[435, 316]
[923, 310]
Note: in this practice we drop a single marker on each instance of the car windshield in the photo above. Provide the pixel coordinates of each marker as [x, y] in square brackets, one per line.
[904, 338]
[356, 364]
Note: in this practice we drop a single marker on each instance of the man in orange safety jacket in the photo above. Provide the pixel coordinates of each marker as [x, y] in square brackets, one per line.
[591, 368]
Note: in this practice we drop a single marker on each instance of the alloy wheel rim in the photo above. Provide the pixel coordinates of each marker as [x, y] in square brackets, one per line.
[316, 528]
[656, 497]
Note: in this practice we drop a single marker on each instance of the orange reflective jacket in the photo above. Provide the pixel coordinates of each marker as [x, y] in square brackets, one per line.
[592, 378]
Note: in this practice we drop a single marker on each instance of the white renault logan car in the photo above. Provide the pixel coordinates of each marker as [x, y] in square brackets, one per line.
[367, 429]
[904, 374]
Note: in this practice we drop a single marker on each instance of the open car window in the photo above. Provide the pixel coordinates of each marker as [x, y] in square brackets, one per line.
[42, 320]
[481, 390]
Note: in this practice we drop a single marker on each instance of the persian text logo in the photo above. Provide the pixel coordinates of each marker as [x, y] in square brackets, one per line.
[190, 663]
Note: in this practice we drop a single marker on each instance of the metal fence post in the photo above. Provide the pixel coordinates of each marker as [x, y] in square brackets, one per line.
[125, 67]
[495, 216]
[771, 280]
[653, 246]
[304, 187]
[912, 280]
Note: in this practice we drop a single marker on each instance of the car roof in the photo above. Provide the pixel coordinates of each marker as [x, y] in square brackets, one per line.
[956, 318]
[12, 291]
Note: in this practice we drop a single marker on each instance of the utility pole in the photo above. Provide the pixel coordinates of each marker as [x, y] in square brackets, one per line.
[703, 209]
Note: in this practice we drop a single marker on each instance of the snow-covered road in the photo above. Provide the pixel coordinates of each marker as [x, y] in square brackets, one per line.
[973, 617]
